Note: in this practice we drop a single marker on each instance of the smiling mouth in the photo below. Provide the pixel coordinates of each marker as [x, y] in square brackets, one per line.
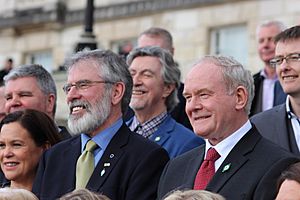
[10, 164]
[138, 92]
[201, 118]
[288, 78]
[77, 109]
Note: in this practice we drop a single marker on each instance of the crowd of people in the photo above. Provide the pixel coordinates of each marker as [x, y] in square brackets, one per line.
[135, 131]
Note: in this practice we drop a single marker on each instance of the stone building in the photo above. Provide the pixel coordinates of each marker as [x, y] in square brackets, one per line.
[47, 31]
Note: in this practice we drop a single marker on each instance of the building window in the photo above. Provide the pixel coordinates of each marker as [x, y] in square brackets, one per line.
[230, 41]
[43, 58]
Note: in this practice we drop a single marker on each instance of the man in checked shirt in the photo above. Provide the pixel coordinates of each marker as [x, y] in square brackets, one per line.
[156, 78]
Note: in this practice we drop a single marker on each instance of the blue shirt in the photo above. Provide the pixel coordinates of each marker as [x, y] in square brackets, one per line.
[102, 139]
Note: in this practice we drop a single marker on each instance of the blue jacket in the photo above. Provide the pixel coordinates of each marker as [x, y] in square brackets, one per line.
[174, 137]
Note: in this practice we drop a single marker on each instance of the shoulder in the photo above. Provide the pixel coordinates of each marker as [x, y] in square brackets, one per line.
[182, 134]
[64, 144]
[136, 141]
[272, 151]
[187, 156]
[268, 114]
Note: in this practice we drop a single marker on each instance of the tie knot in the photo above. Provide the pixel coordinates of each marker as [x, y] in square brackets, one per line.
[90, 146]
[212, 155]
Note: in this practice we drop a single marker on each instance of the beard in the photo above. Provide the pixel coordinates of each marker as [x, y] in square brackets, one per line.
[94, 116]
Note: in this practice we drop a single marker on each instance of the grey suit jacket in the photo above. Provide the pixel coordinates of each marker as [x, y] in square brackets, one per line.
[250, 170]
[274, 125]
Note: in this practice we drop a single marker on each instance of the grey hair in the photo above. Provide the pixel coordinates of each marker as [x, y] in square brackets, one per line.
[110, 67]
[234, 75]
[83, 194]
[193, 195]
[169, 71]
[16, 194]
[269, 23]
[157, 32]
[43, 77]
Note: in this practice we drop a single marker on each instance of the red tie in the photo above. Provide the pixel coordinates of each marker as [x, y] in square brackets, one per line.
[207, 170]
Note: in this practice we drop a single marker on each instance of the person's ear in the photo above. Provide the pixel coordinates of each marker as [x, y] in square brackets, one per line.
[168, 89]
[118, 91]
[241, 97]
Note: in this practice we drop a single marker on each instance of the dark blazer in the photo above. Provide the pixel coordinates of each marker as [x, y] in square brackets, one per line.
[174, 137]
[135, 165]
[275, 125]
[279, 95]
[64, 133]
[178, 113]
[249, 171]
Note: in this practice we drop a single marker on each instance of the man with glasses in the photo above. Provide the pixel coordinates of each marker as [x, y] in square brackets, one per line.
[281, 124]
[268, 91]
[104, 155]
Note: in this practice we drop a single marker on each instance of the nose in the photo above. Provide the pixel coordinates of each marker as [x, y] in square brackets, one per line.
[73, 94]
[7, 152]
[136, 79]
[12, 103]
[284, 66]
[192, 105]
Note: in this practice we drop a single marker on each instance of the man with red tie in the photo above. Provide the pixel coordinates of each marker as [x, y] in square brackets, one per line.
[236, 161]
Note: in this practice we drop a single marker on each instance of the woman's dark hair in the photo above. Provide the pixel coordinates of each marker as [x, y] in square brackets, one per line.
[39, 125]
[291, 173]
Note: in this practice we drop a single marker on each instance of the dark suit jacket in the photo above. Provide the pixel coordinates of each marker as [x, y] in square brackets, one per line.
[64, 133]
[178, 113]
[174, 137]
[254, 165]
[274, 125]
[135, 167]
[256, 106]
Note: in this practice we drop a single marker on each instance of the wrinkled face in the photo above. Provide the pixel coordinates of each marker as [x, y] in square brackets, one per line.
[266, 45]
[208, 105]
[289, 190]
[89, 107]
[289, 72]
[19, 155]
[149, 91]
[146, 40]
[24, 93]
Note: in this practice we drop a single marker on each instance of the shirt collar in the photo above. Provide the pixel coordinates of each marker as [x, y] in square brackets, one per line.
[264, 74]
[288, 108]
[103, 138]
[150, 126]
[225, 146]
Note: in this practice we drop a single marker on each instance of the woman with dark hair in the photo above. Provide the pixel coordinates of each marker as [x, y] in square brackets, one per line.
[289, 183]
[24, 136]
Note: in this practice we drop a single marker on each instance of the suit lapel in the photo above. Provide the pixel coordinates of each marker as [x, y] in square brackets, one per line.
[71, 153]
[234, 161]
[281, 120]
[163, 132]
[193, 166]
[109, 159]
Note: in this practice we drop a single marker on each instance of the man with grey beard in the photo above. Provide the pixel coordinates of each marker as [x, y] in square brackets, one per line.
[118, 163]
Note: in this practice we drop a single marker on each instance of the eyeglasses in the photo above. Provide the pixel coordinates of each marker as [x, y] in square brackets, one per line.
[293, 57]
[82, 85]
